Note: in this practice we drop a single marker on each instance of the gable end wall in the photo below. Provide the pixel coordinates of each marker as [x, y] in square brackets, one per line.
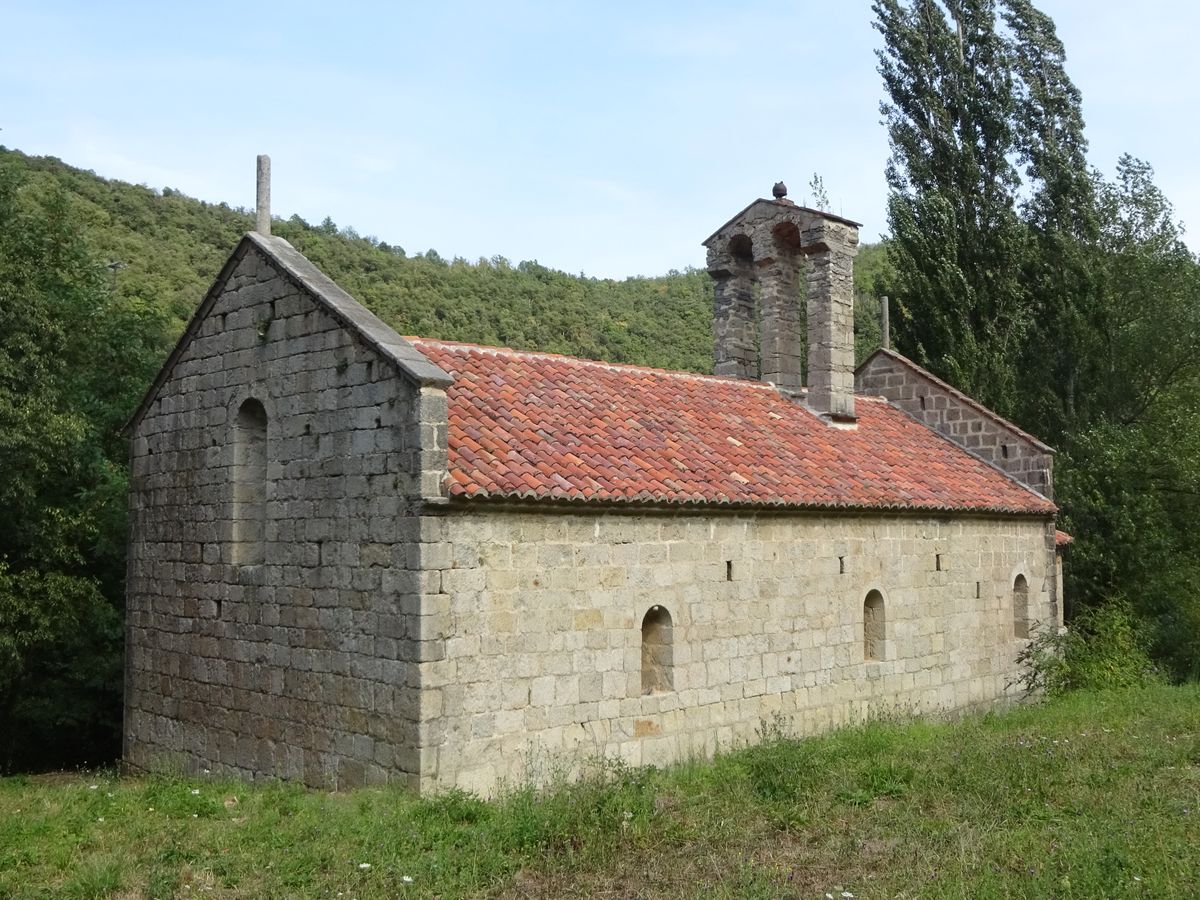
[947, 413]
[304, 667]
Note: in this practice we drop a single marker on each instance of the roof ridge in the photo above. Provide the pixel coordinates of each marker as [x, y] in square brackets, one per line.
[583, 361]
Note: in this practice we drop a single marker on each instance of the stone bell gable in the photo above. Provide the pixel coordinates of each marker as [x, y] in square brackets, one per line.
[777, 244]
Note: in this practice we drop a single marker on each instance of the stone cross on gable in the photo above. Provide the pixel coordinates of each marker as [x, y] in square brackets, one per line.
[262, 201]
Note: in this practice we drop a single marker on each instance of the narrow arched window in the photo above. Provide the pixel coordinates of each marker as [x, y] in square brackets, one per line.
[250, 484]
[1021, 607]
[873, 626]
[658, 656]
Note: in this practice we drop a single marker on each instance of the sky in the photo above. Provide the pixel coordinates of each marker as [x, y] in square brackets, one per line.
[608, 138]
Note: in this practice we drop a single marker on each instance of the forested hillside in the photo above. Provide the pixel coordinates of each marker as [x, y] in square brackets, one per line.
[97, 279]
[164, 248]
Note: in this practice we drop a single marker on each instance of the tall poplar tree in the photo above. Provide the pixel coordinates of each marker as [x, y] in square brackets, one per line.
[956, 239]
[1065, 302]
[1058, 362]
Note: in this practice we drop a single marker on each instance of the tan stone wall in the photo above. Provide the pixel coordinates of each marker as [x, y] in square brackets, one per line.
[541, 612]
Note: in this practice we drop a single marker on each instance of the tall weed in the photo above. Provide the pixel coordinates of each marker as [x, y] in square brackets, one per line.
[1106, 648]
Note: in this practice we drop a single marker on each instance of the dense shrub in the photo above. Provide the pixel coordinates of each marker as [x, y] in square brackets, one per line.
[1106, 648]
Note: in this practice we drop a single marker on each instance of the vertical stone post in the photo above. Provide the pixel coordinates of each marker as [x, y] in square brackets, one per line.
[733, 324]
[831, 247]
[262, 202]
[885, 324]
[782, 340]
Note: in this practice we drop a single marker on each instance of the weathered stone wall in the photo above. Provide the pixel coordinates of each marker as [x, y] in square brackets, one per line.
[304, 666]
[541, 613]
[955, 416]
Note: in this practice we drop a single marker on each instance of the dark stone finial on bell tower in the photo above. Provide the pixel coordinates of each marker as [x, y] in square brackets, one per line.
[779, 191]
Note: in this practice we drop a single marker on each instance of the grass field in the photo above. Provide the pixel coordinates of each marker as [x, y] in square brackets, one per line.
[1088, 796]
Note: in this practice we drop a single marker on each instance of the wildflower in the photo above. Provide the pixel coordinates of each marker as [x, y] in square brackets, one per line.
[364, 866]
[101, 819]
[407, 879]
[848, 895]
[195, 792]
[92, 787]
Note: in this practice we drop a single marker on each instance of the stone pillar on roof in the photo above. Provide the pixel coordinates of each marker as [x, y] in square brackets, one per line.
[780, 322]
[773, 240]
[733, 319]
[832, 247]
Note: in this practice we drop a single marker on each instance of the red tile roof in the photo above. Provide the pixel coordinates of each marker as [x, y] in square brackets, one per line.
[539, 426]
[1061, 539]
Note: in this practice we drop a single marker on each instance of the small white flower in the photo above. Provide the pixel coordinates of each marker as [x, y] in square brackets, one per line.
[828, 896]
[195, 792]
[364, 865]
[848, 895]
[150, 809]
[92, 787]
[407, 879]
[101, 819]
[1135, 878]
[195, 815]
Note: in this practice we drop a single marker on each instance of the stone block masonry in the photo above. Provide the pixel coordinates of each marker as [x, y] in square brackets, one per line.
[958, 418]
[282, 634]
[541, 615]
[777, 244]
[316, 593]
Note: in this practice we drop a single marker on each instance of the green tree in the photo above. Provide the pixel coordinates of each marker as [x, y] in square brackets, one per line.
[956, 240]
[1064, 301]
[69, 356]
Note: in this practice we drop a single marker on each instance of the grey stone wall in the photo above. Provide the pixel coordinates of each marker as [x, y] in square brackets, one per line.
[541, 614]
[955, 416]
[305, 666]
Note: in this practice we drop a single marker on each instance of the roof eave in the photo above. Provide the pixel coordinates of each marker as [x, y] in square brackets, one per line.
[1046, 510]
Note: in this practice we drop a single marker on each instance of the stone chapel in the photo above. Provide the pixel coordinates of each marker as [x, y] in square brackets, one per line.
[357, 557]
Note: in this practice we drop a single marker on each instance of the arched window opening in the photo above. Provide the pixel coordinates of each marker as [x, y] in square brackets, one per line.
[1021, 607]
[873, 626]
[250, 484]
[658, 657]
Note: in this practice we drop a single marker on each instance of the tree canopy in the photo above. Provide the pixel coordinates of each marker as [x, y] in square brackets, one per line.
[1064, 300]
